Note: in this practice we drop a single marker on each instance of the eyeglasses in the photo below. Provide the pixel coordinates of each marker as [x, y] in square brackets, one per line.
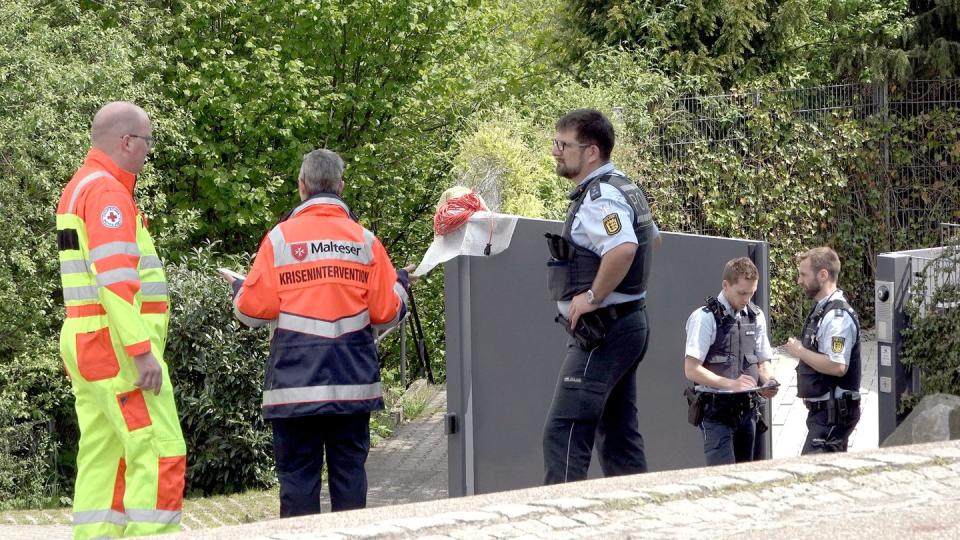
[149, 140]
[562, 145]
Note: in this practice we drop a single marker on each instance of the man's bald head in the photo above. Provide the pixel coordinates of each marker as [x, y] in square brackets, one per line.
[113, 126]
[116, 120]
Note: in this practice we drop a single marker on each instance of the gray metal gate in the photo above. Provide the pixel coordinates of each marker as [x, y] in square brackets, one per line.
[896, 275]
[504, 353]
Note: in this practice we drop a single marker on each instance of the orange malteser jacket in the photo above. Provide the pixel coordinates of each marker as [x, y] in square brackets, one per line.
[323, 282]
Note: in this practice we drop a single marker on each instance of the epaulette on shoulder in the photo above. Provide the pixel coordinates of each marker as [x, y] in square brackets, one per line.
[713, 306]
[839, 307]
[595, 191]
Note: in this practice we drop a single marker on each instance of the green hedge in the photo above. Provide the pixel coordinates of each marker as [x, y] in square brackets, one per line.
[217, 368]
[38, 431]
[931, 342]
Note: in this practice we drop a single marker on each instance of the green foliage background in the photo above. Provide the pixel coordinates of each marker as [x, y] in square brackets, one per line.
[932, 340]
[58, 64]
[418, 95]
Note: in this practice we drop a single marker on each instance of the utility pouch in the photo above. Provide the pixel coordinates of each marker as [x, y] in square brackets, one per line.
[843, 411]
[558, 267]
[558, 246]
[694, 406]
[589, 332]
[832, 411]
[761, 425]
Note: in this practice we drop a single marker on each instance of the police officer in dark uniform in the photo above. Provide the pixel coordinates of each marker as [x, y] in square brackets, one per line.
[828, 374]
[728, 357]
[598, 276]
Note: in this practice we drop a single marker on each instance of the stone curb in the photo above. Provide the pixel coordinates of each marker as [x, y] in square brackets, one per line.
[576, 504]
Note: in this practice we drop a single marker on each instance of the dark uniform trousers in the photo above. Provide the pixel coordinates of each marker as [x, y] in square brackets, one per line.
[728, 440]
[596, 400]
[824, 437]
[299, 444]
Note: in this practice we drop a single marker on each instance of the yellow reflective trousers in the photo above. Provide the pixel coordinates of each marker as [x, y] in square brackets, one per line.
[132, 460]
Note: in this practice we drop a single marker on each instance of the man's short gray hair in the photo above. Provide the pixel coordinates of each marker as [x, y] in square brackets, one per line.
[321, 171]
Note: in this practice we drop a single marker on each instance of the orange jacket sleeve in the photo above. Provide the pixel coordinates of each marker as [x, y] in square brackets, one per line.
[111, 225]
[258, 300]
[387, 301]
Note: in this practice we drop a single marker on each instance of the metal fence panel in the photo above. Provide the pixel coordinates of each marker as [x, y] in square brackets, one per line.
[504, 354]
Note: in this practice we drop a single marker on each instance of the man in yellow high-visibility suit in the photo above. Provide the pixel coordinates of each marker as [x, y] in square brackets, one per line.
[132, 458]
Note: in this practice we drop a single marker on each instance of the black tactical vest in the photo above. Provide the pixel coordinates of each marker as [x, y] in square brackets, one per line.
[810, 382]
[575, 275]
[733, 352]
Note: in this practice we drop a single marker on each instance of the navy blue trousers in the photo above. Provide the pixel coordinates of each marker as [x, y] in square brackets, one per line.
[724, 444]
[300, 443]
[596, 401]
[825, 438]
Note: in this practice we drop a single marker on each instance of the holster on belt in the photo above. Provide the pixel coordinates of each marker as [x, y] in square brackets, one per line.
[694, 406]
[589, 332]
[762, 426]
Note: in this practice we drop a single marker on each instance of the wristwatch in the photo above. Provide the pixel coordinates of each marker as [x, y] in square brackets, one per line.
[591, 299]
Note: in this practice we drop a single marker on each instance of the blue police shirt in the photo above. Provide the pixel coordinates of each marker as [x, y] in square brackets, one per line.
[836, 325]
[589, 232]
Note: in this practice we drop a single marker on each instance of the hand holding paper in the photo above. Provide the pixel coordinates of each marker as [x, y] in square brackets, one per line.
[230, 275]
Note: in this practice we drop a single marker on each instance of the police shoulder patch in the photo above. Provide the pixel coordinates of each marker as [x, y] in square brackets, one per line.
[836, 344]
[611, 224]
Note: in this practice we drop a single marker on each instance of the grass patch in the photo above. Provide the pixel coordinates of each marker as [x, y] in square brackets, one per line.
[414, 405]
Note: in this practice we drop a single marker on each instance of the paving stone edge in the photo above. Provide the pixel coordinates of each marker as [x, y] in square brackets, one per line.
[778, 473]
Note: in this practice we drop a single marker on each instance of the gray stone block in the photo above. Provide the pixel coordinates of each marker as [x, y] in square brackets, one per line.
[935, 418]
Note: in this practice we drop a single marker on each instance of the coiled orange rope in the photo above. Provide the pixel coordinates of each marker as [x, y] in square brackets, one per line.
[452, 214]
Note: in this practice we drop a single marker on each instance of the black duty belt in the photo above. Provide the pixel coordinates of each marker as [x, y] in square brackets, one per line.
[616, 311]
[814, 406]
[726, 400]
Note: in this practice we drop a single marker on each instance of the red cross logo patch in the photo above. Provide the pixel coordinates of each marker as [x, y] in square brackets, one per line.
[299, 251]
[111, 217]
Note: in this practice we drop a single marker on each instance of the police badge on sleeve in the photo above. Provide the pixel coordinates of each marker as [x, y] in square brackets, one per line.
[611, 224]
[836, 344]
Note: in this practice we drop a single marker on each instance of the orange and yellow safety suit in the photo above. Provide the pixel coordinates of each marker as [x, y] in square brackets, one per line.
[132, 457]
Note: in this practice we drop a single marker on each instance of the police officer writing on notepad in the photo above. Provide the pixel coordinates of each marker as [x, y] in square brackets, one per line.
[598, 275]
[828, 374]
[728, 357]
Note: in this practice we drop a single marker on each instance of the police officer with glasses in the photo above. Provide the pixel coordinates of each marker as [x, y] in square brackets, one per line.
[598, 276]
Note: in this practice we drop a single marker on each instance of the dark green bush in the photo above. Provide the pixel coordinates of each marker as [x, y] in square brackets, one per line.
[217, 369]
[38, 433]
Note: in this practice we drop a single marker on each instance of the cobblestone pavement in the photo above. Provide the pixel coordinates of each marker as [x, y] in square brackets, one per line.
[905, 492]
[411, 466]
